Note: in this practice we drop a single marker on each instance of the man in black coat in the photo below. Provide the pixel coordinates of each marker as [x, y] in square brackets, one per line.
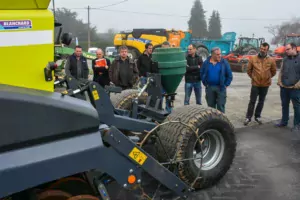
[144, 63]
[100, 66]
[192, 75]
[76, 65]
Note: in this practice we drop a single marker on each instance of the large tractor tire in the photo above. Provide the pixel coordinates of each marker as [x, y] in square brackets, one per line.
[252, 52]
[124, 99]
[203, 52]
[179, 142]
[133, 54]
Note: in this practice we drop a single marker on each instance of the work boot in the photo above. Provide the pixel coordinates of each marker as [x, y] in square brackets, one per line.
[280, 125]
[296, 128]
[296, 133]
[258, 120]
[247, 121]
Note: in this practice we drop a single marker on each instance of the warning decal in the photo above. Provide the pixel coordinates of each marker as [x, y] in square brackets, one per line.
[138, 156]
[95, 95]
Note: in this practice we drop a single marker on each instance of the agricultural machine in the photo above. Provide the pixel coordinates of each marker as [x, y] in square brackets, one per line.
[135, 40]
[57, 146]
[279, 52]
[239, 58]
[204, 46]
[290, 38]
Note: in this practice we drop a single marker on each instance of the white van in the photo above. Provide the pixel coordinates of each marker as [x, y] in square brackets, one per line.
[110, 50]
[92, 50]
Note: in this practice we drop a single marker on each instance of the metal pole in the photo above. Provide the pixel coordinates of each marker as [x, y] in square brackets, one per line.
[89, 34]
[53, 4]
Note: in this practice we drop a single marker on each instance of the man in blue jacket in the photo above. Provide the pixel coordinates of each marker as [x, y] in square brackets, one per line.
[216, 76]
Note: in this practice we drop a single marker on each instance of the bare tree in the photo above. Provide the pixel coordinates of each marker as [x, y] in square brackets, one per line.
[280, 31]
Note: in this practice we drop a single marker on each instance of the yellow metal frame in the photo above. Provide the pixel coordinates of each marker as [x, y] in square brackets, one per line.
[22, 65]
[138, 44]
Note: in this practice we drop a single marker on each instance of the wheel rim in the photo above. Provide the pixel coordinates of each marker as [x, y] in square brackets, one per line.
[202, 54]
[130, 55]
[213, 147]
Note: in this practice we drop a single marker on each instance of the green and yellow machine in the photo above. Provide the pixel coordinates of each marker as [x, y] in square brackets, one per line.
[56, 146]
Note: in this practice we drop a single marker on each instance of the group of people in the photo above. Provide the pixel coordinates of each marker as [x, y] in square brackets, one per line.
[214, 74]
[122, 71]
[261, 70]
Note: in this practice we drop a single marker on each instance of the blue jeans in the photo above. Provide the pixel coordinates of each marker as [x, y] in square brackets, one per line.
[143, 81]
[216, 98]
[188, 88]
[287, 95]
[168, 107]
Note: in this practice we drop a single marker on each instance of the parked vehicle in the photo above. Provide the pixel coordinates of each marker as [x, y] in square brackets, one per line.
[135, 40]
[239, 57]
[204, 46]
[92, 50]
[109, 51]
[289, 38]
[279, 52]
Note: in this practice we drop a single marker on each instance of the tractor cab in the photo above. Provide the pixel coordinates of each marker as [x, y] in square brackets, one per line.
[248, 46]
[290, 38]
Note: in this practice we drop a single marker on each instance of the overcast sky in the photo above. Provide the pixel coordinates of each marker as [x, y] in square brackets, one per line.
[243, 17]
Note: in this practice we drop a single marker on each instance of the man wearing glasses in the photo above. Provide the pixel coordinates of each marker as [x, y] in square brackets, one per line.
[192, 75]
[289, 83]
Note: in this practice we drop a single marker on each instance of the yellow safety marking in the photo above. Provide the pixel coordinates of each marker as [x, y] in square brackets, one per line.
[65, 92]
[138, 156]
[95, 95]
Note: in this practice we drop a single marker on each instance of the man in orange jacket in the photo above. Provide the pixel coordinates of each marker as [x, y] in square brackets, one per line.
[261, 69]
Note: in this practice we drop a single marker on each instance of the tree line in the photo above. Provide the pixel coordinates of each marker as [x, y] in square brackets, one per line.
[200, 28]
[197, 23]
[212, 30]
[72, 24]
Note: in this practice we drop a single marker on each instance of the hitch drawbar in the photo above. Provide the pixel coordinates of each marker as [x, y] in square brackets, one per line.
[129, 149]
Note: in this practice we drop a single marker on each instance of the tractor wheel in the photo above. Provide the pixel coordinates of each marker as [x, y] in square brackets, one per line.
[133, 54]
[245, 68]
[180, 142]
[252, 52]
[201, 51]
[68, 188]
[124, 99]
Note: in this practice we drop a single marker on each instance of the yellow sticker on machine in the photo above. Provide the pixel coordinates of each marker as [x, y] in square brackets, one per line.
[95, 95]
[138, 156]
